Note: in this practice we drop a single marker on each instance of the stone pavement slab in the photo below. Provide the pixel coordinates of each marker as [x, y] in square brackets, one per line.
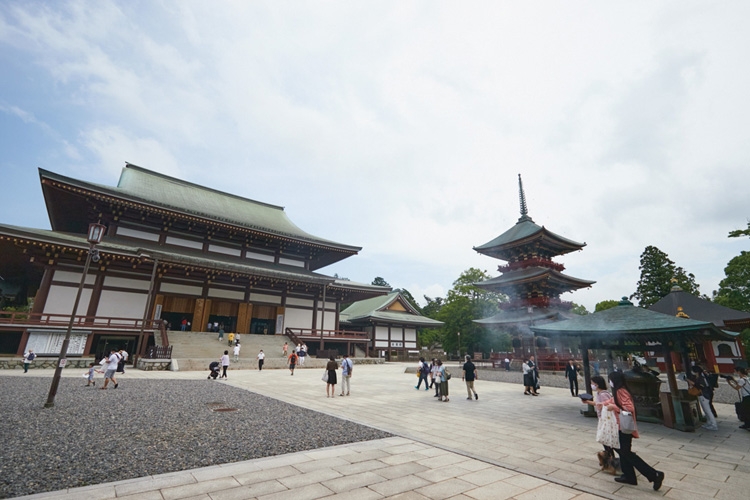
[505, 445]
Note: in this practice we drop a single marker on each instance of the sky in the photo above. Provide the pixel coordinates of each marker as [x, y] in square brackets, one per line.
[402, 126]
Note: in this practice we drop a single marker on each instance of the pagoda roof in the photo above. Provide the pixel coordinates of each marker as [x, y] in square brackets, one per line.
[380, 308]
[143, 187]
[526, 233]
[522, 316]
[532, 275]
[626, 322]
[701, 309]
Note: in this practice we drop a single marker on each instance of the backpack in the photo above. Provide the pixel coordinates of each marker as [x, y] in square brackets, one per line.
[31, 356]
[425, 368]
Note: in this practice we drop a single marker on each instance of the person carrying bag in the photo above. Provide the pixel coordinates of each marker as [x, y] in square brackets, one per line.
[742, 407]
[624, 408]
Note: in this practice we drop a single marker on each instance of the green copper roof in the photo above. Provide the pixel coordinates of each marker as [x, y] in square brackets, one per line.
[144, 186]
[628, 321]
[519, 277]
[376, 308]
[524, 232]
[519, 316]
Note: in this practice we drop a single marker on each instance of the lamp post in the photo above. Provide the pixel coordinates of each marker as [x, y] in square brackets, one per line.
[459, 344]
[94, 237]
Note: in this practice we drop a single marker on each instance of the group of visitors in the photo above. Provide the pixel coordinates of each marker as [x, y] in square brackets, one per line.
[114, 363]
[530, 377]
[440, 375]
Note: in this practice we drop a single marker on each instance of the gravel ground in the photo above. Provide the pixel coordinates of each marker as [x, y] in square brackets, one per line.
[146, 427]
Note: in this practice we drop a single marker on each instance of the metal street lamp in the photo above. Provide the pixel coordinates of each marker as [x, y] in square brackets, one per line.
[459, 343]
[94, 237]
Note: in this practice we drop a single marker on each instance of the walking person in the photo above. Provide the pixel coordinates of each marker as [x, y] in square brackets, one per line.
[507, 364]
[331, 366]
[224, 364]
[346, 374]
[236, 351]
[571, 373]
[90, 374]
[424, 371]
[435, 374]
[700, 382]
[742, 386]
[629, 461]
[221, 336]
[529, 379]
[123, 358]
[28, 358]
[285, 350]
[302, 354]
[442, 379]
[606, 429]
[469, 376]
[261, 357]
[292, 362]
[230, 339]
[109, 374]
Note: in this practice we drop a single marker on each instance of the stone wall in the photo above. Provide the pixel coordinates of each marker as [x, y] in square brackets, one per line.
[153, 364]
[17, 363]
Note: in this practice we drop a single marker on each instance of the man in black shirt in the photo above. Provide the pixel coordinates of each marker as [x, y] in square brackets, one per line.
[470, 374]
[571, 373]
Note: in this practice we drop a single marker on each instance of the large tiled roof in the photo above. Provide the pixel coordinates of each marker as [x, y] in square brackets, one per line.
[533, 274]
[700, 309]
[144, 186]
[628, 322]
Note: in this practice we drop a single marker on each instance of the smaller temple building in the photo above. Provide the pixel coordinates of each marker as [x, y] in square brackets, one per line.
[390, 321]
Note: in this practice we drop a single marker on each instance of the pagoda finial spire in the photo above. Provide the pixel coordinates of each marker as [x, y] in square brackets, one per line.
[522, 199]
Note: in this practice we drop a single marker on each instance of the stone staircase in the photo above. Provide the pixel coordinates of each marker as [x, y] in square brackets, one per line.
[195, 350]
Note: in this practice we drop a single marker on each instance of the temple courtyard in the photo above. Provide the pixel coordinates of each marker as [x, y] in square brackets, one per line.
[504, 445]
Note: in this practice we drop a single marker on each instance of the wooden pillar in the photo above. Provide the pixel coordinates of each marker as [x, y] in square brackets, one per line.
[708, 352]
[40, 300]
[679, 417]
[96, 294]
[589, 411]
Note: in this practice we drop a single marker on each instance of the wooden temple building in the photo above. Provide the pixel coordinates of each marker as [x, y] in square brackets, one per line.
[390, 320]
[532, 281]
[717, 355]
[174, 253]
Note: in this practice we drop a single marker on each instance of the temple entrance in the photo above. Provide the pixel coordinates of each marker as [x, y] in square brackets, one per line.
[102, 344]
[223, 313]
[176, 309]
[263, 321]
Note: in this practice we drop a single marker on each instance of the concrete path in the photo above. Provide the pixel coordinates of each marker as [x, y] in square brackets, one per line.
[505, 445]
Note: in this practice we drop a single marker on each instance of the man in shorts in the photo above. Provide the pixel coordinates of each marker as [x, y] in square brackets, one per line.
[292, 362]
[109, 374]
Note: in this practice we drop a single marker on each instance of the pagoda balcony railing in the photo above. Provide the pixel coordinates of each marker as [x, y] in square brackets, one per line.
[26, 319]
[535, 302]
[532, 262]
[310, 334]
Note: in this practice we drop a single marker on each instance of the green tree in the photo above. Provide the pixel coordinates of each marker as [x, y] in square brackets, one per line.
[605, 304]
[740, 232]
[378, 281]
[466, 302]
[579, 309]
[734, 289]
[432, 306]
[657, 273]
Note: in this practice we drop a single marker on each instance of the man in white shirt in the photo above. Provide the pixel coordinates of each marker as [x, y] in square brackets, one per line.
[109, 374]
[224, 364]
[346, 374]
[237, 351]
[261, 357]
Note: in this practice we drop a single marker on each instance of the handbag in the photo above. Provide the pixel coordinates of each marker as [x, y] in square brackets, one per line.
[627, 422]
[447, 374]
[324, 378]
[694, 391]
[606, 430]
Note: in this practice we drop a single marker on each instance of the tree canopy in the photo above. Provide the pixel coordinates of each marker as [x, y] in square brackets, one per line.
[606, 304]
[740, 232]
[378, 281]
[657, 273]
[734, 289]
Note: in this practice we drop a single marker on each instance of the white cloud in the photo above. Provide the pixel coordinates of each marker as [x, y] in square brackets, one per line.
[402, 127]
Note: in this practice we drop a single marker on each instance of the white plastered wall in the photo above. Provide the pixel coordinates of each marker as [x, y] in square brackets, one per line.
[61, 298]
[297, 318]
[121, 304]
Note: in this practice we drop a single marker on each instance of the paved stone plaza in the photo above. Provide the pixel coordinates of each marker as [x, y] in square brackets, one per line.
[505, 445]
